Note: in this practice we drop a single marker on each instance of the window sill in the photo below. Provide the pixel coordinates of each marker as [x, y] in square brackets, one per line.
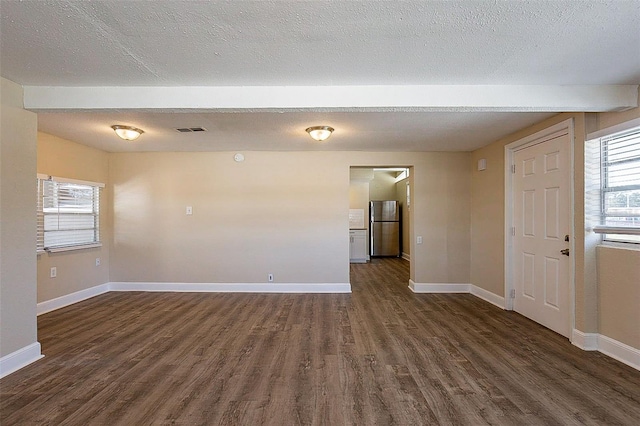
[619, 245]
[618, 230]
[72, 248]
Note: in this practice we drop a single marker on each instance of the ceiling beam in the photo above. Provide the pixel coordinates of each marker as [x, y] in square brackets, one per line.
[446, 98]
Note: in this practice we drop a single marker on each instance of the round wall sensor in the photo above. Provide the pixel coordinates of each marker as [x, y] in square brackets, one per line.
[238, 157]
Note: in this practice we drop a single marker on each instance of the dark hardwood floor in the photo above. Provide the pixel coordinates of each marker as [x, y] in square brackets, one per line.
[380, 356]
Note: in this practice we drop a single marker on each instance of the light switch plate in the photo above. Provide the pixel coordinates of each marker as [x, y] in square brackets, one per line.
[189, 210]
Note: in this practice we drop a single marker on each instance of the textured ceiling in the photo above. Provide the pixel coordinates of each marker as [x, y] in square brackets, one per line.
[315, 43]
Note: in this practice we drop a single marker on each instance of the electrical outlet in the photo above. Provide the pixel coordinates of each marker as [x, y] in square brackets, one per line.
[97, 261]
[189, 210]
[270, 278]
[54, 272]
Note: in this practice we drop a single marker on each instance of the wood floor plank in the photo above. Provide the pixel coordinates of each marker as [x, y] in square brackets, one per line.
[381, 355]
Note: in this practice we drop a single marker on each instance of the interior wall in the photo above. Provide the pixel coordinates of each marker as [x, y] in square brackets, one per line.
[383, 186]
[488, 218]
[254, 218]
[249, 219]
[401, 197]
[359, 179]
[18, 128]
[619, 294]
[359, 196]
[76, 270]
[617, 270]
[487, 227]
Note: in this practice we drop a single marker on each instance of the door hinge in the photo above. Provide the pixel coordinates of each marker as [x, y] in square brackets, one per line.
[513, 293]
[513, 168]
[513, 231]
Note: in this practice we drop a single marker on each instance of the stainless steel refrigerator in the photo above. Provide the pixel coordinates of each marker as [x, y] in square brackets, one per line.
[385, 228]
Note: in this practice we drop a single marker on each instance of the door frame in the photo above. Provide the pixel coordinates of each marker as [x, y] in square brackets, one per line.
[509, 151]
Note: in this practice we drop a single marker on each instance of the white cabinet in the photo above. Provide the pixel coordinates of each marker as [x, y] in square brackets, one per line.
[358, 245]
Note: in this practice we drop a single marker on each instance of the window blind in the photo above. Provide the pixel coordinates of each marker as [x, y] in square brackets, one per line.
[619, 186]
[68, 214]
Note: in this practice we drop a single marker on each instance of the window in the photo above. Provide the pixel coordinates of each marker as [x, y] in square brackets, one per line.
[619, 192]
[68, 214]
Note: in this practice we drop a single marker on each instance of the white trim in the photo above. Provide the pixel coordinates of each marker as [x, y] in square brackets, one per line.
[79, 296]
[233, 287]
[488, 296]
[454, 288]
[610, 347]
[619, 351]
[438, 287]
[71, 248]
[619, 245]
[21, 358]
[70, 299]
[406, 256]
[585, 341]
[620, 230]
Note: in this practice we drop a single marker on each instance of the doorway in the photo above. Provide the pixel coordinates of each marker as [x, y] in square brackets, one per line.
[539, 265]
[375, 183]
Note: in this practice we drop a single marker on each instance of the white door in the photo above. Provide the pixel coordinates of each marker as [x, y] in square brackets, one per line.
[542, 222]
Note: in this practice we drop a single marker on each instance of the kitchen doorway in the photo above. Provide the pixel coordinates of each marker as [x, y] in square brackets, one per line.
[368, 184]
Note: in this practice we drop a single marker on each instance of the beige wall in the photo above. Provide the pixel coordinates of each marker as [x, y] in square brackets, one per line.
[256, 217]
[17, 221]
[359, 196]
[617, 270]
[383, 186]
[619, 294]
[487, 230]
[487, 220]
[401, 197]
[608, 119]
[487, 215]
[359, 179]
[76, 270]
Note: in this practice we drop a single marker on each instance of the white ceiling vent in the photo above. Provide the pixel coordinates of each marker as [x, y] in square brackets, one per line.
[191, 129]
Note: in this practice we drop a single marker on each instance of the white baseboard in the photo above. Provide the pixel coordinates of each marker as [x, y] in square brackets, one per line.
[233, 287]
[20, 358]
[487, 296]
[438, 287]
[620, 351]
[79, 296]
[481, 293]
[406, 256]
[70, 299]
[585, 341]
[608, 346]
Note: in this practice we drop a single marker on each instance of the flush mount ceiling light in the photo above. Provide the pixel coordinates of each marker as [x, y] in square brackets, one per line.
[320, 133]
[127, 133]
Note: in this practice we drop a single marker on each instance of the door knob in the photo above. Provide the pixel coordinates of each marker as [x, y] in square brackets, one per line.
[565, 252]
